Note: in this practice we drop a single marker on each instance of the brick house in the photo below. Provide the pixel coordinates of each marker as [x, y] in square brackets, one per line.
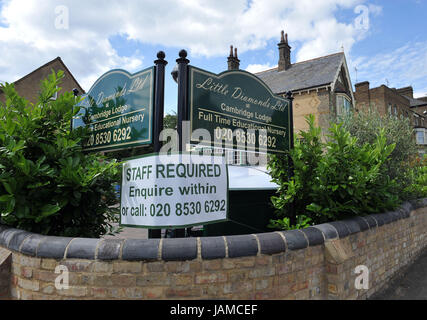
[320, 86]
[419, 105]
[397, 102]
[29, 85]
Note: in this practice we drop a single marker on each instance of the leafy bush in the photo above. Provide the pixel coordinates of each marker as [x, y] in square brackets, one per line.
[397, 130]
[302, 222]
[47, 184]
[332, 180]
[305, 156]
[417, 173]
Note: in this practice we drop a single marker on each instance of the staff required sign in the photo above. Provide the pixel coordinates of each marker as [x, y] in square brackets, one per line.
[174, 191]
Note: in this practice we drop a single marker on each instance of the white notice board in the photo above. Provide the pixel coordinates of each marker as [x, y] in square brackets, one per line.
[174, 191]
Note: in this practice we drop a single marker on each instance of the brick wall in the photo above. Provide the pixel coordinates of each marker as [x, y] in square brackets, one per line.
[317, 103]
[289, 275]
[314, 263]
[362, 96]
[380, 98]
[384, 251]
[5, 268]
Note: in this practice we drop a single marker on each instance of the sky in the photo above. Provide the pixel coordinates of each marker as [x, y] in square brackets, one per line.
[384, 40]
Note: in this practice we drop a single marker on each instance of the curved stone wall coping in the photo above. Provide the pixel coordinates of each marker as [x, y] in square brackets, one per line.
[183, 249]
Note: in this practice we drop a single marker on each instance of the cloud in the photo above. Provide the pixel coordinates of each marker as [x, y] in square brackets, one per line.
[404, 66]
[29, 35]
[254, 68]
[31, 38]
[421, 94]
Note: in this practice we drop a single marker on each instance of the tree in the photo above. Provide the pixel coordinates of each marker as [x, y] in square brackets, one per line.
[367, 124]
[170, 121]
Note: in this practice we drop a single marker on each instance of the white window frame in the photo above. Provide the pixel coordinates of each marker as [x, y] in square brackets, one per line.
[342, 109]
[420, 136]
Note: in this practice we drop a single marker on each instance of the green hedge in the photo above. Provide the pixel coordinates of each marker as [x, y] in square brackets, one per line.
[48, 185]
[332, 180]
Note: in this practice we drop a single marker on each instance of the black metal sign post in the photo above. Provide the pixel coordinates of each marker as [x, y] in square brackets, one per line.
[159, 99]
[76, 94]
[159, 106]
[291, 146]
[291, 123]
[182, 62]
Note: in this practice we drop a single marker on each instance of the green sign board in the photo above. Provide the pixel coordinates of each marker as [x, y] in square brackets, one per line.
[118, 110]
[238, 109]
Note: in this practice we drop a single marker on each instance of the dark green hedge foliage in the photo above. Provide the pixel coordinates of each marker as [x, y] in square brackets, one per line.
[48, 185]
[334, 179]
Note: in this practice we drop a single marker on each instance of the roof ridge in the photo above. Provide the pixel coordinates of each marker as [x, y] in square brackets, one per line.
[49, 63]
[45, 65]
[266, 70]
[418, 101]
[328, 55]
[82, 91]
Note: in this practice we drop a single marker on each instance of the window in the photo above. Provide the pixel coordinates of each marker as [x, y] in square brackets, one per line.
[389, 108]
[234, 157]
[419, 135]
[343, 105]
[395, 110]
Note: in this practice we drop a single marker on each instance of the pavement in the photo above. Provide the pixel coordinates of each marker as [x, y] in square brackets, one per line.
[130, 233]
[412, 285]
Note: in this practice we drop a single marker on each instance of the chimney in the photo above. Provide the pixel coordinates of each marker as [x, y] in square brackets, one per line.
[233, 61]
[407, 91]
[284, 53]
[362, 86]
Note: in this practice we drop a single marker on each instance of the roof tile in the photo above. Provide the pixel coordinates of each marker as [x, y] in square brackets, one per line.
[303, 75]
